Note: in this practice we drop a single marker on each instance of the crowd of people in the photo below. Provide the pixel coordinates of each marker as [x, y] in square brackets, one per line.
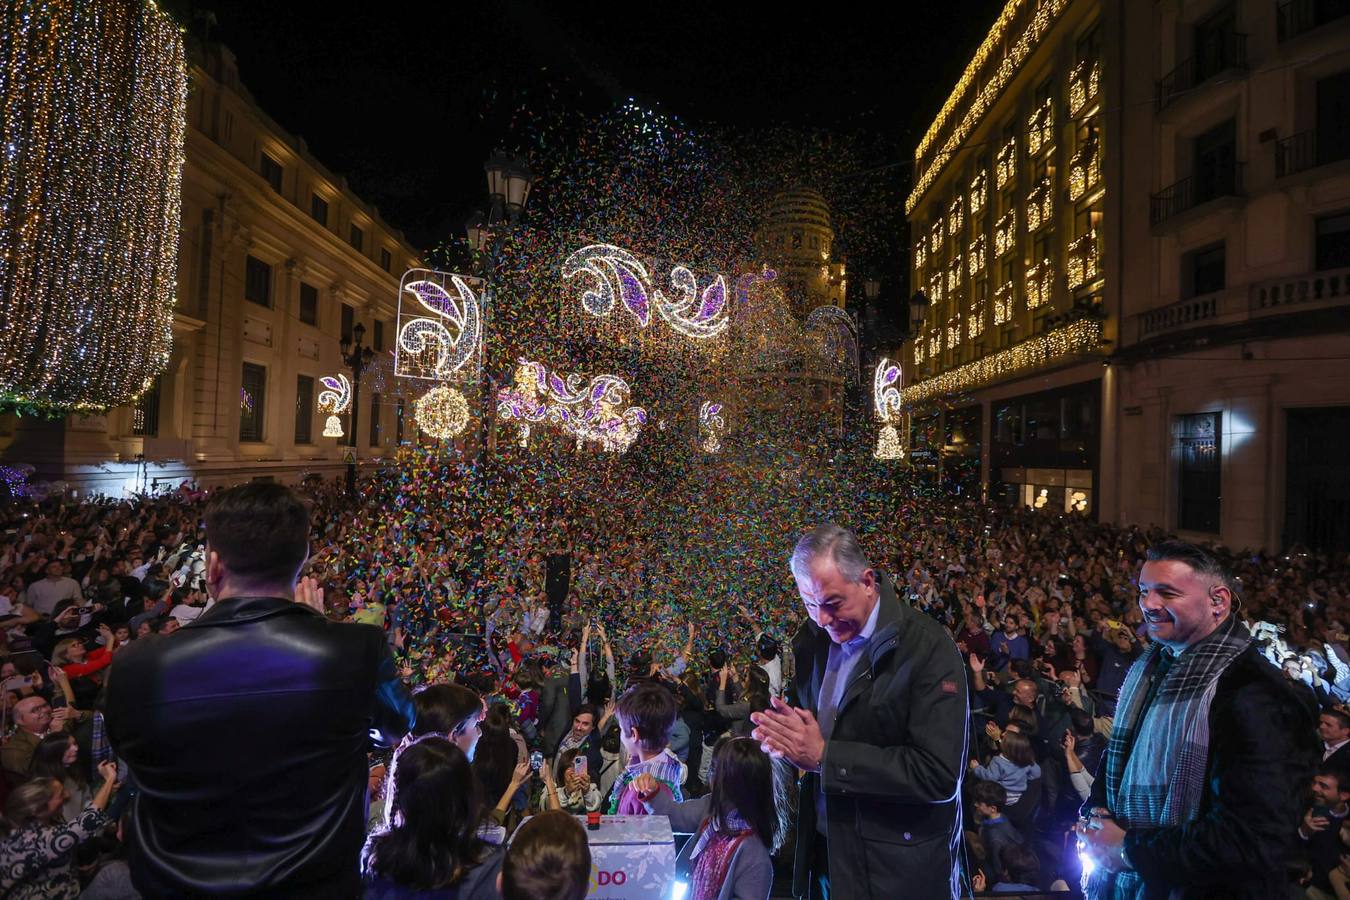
[594, 650]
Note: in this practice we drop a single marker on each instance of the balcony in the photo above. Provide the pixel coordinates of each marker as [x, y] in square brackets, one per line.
[1226, 51]
[1248, 308]
[1296, 17]
[1197, 190]
[1303, 151]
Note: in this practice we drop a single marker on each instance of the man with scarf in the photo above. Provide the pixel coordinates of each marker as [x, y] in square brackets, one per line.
[1197, 795]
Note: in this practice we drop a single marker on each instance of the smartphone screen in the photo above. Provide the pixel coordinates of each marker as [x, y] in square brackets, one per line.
[580, 765]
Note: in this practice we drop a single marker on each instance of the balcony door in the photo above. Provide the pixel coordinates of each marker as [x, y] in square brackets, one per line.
[1333, 118]
[1215, 162]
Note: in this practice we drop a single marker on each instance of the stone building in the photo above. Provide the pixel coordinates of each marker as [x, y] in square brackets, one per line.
[278, 260]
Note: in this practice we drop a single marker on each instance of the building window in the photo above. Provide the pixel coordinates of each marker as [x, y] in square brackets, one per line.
[1333, 118]
[357, 237]
[318, 209]
[252, 396]
[271, 171]
[304, 409]
[398, 421]
[309, 304]
[1216, 162]
[348, 321]
[257, 281]
[1215, 44]
[1333, 242]
[145, 414]
[1199, 481]
[375, 420]
[386, 260]
[1203, 271]
[379, 335]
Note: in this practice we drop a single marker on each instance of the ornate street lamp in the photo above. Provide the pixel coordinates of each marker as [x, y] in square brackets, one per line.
[357, 357]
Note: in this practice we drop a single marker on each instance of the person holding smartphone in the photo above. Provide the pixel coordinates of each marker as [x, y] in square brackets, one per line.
[1319, 829]
[579, 793]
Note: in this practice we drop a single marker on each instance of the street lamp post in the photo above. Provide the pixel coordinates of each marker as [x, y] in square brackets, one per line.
[509, 180]
[357, 357]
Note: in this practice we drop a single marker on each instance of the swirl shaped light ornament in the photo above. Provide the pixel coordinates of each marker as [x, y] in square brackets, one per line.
[442, 412]
[593, 411]
[886, 401]
[441, 333]
[619, 277]
[334, 400]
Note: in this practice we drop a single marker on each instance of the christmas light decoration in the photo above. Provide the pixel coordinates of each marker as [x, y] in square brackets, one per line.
[935, 287]
[1040, 205]
[93, 99]
[1041, 127]
[1085, 169]
[935, 237]
[1084, 260]
[436, 347]
[1084, 84]
[1078, 337]
[1005, 232]
[885, 395]
[954, 331]
[1040, 284]
[975, 321]
[976, 255]
[954, 271]
[590, 412]
[921, 253]
[337, 394]
[1003, 303]
[979, 186]
[888, 444]
[621, 276]
[935, 342]
[442, 412]
[955, 217]
[1041, 20]
[1005, 163]
[334, 399]
[710, 426]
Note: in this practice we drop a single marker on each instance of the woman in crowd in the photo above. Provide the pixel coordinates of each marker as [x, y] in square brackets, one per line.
[37, 849]
[755, 698]
[735, 827]
[431, 848]
[56, 759]
[452, 711]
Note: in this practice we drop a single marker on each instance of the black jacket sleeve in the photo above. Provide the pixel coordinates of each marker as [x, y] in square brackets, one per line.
[1255, 776]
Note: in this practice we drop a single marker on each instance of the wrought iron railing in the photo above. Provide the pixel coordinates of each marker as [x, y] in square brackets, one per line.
[1188, 193]
[1224, 51]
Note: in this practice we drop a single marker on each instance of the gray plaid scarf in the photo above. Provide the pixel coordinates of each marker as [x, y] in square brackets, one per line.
[1157, 755]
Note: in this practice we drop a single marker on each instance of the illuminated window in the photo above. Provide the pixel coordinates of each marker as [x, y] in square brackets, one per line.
[979, 187]
[955, 217]
[1005, 232]
[976, 255]
[1005, 165]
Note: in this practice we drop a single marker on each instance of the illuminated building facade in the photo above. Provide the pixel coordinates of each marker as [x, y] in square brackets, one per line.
[277, 260]
[1010, 216]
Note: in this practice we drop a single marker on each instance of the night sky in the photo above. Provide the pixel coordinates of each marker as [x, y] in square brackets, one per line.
[362, 85]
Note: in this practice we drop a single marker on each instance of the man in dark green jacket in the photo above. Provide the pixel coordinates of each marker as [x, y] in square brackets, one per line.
[878, 723]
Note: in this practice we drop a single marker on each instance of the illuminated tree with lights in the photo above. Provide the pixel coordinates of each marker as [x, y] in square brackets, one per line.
[93, 98]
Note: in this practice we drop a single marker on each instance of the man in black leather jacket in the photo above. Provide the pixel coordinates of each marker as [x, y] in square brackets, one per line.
[246, 732]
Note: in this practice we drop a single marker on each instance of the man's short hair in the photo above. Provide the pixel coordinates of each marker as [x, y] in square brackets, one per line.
[548, 858]
[989, 792]
[834, 541]
[1338, 774]
[1340, 715]
[1021, 864]
[650, 709]
[1201, 561]
[260, 531]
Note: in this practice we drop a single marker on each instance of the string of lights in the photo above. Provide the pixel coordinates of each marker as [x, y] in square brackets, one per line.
[93, 99]
[1078, 337]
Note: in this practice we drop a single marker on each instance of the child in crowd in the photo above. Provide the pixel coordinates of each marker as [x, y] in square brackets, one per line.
[736, 826]
[1012, 767]
[996, 832]
[549, 859]
[646, 713]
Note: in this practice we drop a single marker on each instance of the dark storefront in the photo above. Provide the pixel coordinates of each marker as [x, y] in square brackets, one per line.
[1317, 485]
[961, 451]
[1044, 449]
